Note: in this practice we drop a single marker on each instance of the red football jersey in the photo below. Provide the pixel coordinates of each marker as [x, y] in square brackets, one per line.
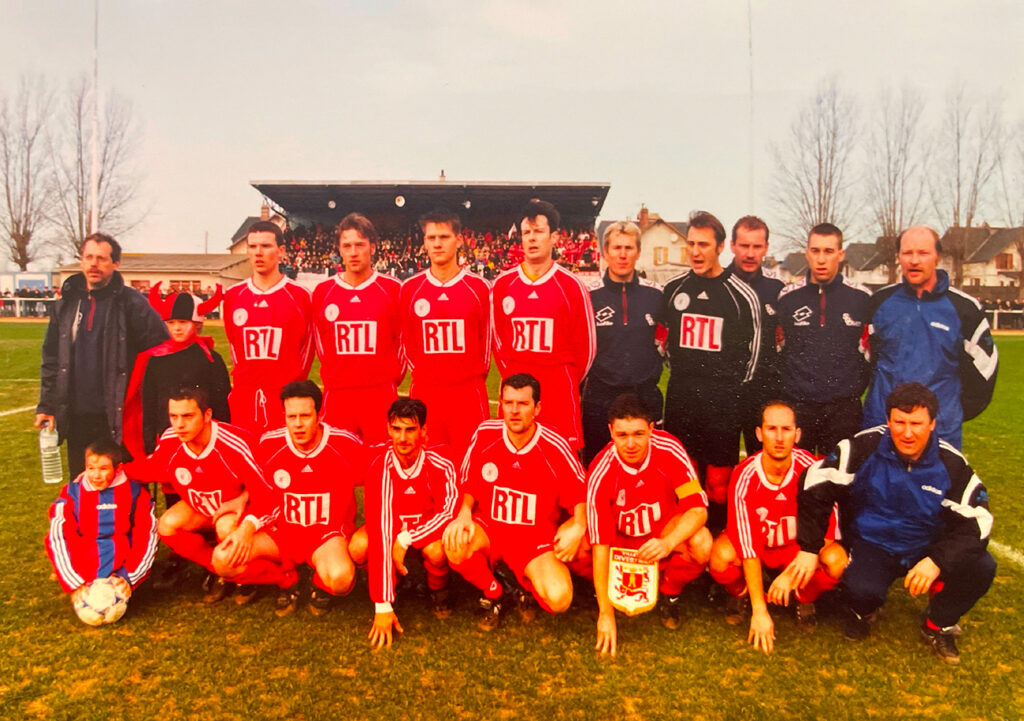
[525, 487]
[638, 502]
[358, 331]
[219, 473]
[446, 327]
[762, 514]
[546, 322]
[269, 333]
[420, 500]
[313, 490]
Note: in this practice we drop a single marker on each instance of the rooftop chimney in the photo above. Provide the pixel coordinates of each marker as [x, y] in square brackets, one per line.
[644, 218]
[264, 212]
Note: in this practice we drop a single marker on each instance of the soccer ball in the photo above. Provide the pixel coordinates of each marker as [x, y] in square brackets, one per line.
[100, 602]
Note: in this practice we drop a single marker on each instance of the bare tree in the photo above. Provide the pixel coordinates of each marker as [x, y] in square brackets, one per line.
[24, 168]
[1011, 184]
[895, 158]
[812, 175]
[119, 179]
[966, 154]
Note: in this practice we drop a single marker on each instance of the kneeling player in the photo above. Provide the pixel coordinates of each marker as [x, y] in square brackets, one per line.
[643, 493]
[410, 497]
[313, 469]
[211, 467]
[761, 531]
[517, 477]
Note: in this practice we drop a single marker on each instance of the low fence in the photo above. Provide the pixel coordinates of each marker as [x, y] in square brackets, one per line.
[1005, 319]
[25, 307]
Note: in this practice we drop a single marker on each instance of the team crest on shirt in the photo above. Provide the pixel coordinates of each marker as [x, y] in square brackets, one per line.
[681, 301]
[331, 312]
[183, 476]
[508, 304]
[605, 315]
[489, 472]
[421, 307]
[240, 316]
[281, 478]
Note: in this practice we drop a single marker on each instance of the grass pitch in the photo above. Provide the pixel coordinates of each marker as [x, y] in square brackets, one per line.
[172, 657]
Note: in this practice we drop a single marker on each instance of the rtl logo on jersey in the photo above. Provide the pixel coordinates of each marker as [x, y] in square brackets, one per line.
[307, 509]
[512, 506]
[533, 334]
[779, 533]
[205, 502]
[444, 335]
[700, 332]
[355, 337]
[261, 342]
[638, 521]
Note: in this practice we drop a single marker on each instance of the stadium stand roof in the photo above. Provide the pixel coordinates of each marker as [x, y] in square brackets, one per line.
[225, 264]
[397, 204]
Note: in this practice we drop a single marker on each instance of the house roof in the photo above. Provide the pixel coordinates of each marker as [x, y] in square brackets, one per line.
[243, 229]
[993, 245]
[863, 256]
[177, 262]
[795, 264]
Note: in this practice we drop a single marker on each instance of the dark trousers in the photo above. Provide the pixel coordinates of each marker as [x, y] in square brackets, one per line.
[824, 424]
[872, 570]
[596, 398]
[83, 429]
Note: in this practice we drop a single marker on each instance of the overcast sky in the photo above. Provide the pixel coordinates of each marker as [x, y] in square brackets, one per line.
[651, 97]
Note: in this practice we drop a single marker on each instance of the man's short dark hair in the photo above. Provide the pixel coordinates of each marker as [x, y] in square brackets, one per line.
[303, 389]
[908, 396]
[703, 219]
[107, 448]
[781, 404]
[826, 229]
[192, 393]
[267, 226]
[750, 222]
[541, 207]
[629, 405]
[441, 216]
[115, 247]
[408, 408]
[359, 223]
[521, 380]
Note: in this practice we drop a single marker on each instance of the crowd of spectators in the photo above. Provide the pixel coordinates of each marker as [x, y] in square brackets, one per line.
[1007, 321]
[315, 250]
[33, 302]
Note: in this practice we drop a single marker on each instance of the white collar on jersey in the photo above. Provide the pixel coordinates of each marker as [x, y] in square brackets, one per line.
[214, 432]
[543, 279]
[417, 467]
[319, 446]
[525, 449]
[369, 281]
[451, 281]
[272, 289]
[759, 469]
[119, 478]
[643, 466]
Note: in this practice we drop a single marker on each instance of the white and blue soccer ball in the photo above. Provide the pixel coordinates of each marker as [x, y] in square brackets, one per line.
[100, 602]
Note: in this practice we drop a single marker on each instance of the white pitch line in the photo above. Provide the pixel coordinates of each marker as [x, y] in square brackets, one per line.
[17, 410]
[1010, 553]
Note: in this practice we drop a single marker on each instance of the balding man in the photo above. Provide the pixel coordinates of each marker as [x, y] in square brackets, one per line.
[923, 330]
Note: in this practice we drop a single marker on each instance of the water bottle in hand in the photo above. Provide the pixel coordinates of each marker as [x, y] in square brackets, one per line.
[49, 452]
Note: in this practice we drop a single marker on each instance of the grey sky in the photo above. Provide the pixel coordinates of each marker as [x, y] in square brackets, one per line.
[649, 96]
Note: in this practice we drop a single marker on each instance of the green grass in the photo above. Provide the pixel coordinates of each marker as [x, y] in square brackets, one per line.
[172, 657]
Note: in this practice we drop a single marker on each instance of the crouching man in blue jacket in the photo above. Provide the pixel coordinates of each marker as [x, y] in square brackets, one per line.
[909, 505]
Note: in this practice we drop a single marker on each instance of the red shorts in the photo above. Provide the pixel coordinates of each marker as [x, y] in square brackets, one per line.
[256, 410]
[297, 544]
[779, 556]
[453, 411]
[560, 403]
[517, 548]
[363, 410]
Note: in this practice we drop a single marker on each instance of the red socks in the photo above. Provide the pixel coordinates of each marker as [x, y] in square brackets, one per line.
[192, 546]
[478, 572]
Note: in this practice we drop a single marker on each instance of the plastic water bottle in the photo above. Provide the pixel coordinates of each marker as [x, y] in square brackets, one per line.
[49, 452]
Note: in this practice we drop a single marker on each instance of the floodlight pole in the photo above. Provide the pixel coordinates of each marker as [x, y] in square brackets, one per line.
[94, 173]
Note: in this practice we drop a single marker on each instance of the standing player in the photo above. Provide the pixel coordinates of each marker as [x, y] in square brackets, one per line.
[749, 245]
[643, 493]
[714, 325]
[267, 322]
[357, 324]
[313, 469]
[627, 361]
[762, 531]
[211, 467]
[518, 480]
[410, 497]
[446, 336]
[544, 323]
[820, 322]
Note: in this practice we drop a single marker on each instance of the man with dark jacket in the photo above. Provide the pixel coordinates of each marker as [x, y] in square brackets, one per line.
[96, 329]
[910, 505]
